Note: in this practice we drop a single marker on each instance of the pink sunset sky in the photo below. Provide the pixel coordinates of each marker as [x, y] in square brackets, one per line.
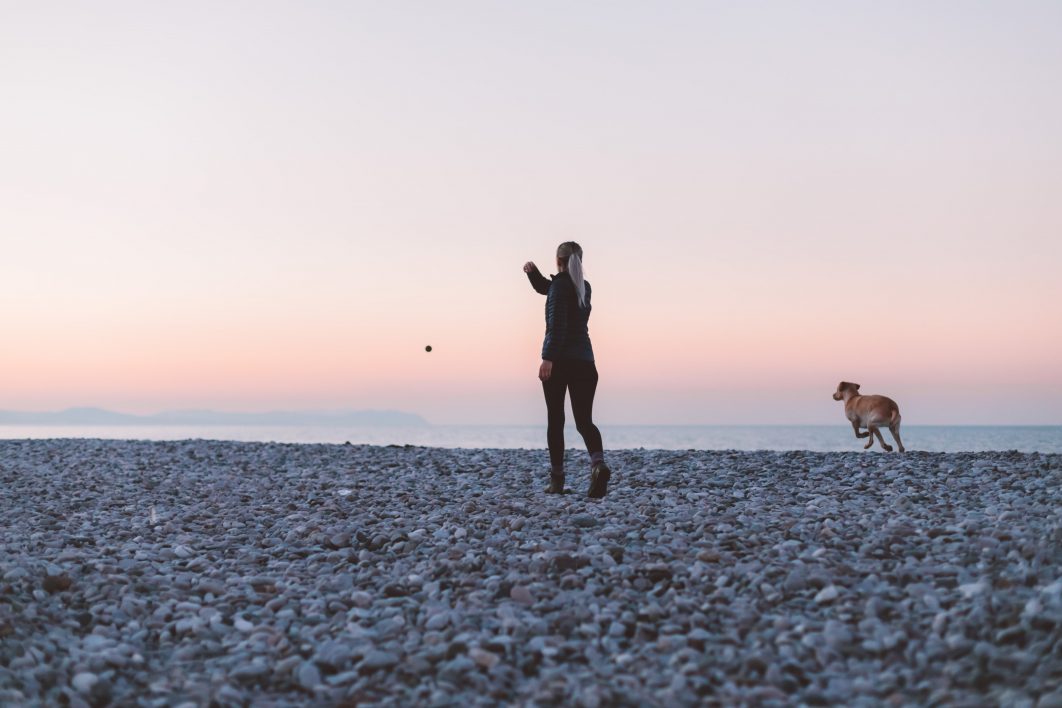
[254, 206]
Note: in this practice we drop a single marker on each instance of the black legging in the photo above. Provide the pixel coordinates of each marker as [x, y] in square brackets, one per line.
[579, 377]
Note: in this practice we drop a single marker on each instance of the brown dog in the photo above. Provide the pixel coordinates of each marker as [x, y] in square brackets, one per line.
[869, 412]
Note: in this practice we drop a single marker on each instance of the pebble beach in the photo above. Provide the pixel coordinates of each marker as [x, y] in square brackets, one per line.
[205, 573]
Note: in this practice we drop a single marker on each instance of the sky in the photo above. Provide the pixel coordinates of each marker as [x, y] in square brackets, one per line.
[253, 206]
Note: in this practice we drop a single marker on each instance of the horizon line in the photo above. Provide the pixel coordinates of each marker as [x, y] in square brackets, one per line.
[147, 419]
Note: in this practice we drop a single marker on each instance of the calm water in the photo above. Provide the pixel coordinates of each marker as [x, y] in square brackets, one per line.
[707, 437]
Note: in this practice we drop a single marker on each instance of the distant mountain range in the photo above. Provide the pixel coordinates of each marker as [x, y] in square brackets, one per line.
[99, 416]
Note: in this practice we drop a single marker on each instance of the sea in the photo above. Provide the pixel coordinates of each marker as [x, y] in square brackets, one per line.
[821, 438]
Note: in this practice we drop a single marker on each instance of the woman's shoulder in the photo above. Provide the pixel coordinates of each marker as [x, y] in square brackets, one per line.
[561, 281]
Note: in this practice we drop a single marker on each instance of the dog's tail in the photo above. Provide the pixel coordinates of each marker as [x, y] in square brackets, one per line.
[894, 419]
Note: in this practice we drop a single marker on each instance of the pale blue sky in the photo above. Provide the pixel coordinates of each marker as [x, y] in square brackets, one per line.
[248, 205]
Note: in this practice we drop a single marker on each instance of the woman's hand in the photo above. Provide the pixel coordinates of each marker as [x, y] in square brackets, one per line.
[530, 266]
[545, 370]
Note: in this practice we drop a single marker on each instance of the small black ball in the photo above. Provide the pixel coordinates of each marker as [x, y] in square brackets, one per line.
[427, 348]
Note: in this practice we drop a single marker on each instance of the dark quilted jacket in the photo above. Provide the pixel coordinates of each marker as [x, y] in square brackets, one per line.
[567, 336]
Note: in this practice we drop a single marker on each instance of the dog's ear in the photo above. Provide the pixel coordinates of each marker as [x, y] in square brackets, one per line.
[855, 386]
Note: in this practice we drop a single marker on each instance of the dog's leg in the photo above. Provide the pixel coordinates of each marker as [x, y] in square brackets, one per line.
[868, 434]
[855, 427]
[884, 445]
[895, 430]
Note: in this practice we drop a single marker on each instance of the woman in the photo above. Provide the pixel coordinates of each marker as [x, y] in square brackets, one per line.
[568, 365]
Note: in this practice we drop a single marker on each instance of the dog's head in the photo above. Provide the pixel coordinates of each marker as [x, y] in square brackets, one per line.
[838, 395]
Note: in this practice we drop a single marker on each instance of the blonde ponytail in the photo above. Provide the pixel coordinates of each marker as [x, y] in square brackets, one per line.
[574, 253]
[575, 270]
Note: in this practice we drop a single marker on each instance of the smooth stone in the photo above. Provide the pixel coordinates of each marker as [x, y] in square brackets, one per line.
[249, 673]
[454, 669]
[333, 655]
[211, 586]
[584, 520]
[795, 581]
[837, 635]
[56, 583]
[827, 594]
[96, 642]
[521, 594]
[1050, 700]
[483, 658]
[970, 590]
[84, 682]
[437, 622]
[287, 665]
[18, 573]
[308, 675]
[342, 679]
[377, 659]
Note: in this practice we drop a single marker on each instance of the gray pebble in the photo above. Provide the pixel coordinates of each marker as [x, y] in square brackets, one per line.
[308, 676]
[17, 573]
[521, 594]
[377, 659]
[827, 594]
[84, 682]
[584, 520]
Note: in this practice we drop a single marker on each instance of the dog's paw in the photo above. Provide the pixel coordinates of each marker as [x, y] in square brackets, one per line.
[888, 448]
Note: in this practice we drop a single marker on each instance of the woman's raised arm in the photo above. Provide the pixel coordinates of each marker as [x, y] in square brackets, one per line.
[538, 281]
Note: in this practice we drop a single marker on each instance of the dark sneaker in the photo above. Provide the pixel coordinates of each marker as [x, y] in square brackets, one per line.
[556, 485]
[599, 476]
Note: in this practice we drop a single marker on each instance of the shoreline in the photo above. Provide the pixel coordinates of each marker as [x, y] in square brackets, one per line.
[531, 438]
[155, 573]
[573, 448]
